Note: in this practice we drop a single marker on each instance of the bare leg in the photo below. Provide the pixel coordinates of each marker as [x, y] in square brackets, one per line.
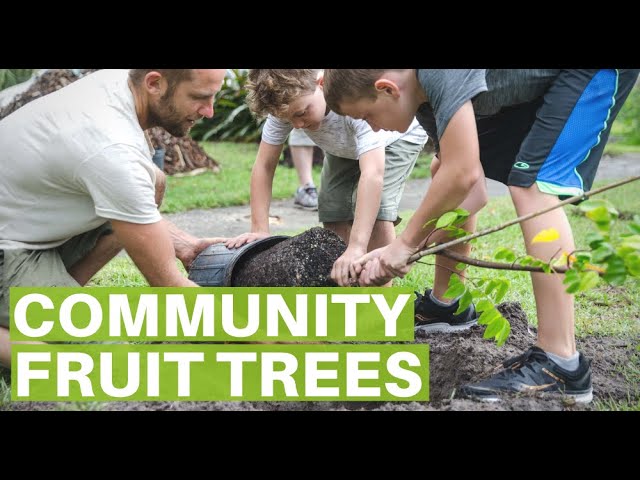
[555, 307]
[445, 266]
[302, 158]
[5, 347]
[342, 229]
[106, 248]
[383, 234]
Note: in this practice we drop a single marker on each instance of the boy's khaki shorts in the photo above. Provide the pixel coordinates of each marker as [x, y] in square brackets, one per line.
[44, 268]
[339, 183]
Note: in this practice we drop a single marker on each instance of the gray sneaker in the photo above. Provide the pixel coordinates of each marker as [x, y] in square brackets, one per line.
[307, 197]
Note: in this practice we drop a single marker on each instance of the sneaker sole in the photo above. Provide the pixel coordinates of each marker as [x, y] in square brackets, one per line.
[585, 397]
[444, 327]
[311, 209]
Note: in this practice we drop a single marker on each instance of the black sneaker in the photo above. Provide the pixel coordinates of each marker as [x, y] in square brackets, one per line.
[533, 372]
[430, 317]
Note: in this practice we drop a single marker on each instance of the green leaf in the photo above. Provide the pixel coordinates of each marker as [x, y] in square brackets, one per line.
[616, 271]
[477, 294]
[603, 252]
[461, 266]
[504, 253]
[455, 291]
[491, 286]
[632, 241]
[488, 316]
[589, 206]
[433, 220]
[571, 276]
[484, 305]
[493, 328]
[632, 261]
[503, 288]
[594, 239]
[455, 232]
[599, 214]
[462, 213]
[503, 334]
[634, 228]
[465, 301]
[446, 219]
[588, 281]
[583, 256]
[526, 260]
[573, 287]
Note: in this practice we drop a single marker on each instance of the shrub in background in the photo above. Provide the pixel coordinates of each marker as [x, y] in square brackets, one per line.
[233, 120]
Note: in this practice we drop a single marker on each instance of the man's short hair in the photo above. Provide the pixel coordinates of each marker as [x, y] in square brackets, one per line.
[272, 91]
[173, 76]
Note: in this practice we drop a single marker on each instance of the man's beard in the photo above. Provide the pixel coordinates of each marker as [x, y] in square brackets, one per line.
[165, 115]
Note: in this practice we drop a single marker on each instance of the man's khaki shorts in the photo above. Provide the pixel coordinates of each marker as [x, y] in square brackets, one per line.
[44, 268]
[339, 183]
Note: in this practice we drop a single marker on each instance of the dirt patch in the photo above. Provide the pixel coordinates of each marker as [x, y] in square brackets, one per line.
[301, 261]
[466, 357]
[455, 359]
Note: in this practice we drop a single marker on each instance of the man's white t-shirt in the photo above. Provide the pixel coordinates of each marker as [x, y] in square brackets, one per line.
[343, 136]
[72, 160]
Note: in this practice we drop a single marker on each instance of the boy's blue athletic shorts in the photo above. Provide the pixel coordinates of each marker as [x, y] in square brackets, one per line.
[557, 140]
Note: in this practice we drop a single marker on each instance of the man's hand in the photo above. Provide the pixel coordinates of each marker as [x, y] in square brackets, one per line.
[188, 255]
[345, 266]
[248, 237]
[384, 264]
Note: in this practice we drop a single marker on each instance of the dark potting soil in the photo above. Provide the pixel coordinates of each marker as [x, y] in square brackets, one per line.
[301, 261]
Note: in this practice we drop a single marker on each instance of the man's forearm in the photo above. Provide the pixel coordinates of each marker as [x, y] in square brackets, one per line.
[184, 243]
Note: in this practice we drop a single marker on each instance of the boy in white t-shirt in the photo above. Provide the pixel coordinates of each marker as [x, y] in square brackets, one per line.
[364, 172]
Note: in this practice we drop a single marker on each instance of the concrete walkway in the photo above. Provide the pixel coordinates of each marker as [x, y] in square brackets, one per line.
[285, 218]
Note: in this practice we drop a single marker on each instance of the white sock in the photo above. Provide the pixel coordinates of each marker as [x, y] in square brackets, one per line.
[440, 303]
[570, 364]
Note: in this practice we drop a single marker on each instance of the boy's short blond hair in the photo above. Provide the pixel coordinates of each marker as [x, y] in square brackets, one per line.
[342, 84]
[271, 91]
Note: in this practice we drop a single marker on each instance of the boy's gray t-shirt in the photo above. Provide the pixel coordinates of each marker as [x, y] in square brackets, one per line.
[448, 90]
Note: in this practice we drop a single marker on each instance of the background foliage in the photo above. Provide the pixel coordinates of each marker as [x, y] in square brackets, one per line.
[233, 120]
[11, 77]
[627, 125]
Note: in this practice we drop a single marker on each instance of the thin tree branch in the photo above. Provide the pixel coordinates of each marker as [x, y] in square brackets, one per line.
[496, 265]
[468, 238]
[507, 266]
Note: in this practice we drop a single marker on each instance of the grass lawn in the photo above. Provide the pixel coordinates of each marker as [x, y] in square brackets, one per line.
[614, 149]
[231, 185]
